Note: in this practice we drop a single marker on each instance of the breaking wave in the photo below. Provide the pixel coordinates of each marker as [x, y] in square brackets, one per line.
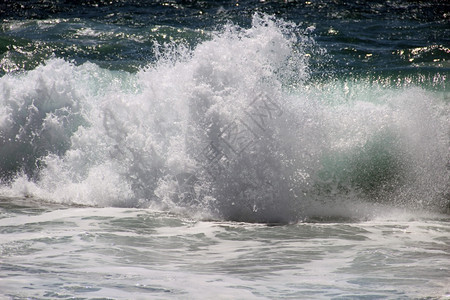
[231, 129]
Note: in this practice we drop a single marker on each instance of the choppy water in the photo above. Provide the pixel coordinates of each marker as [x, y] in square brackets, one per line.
[144, 145]
[51, 252]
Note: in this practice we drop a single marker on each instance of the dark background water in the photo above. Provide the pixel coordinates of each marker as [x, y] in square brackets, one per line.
[392, 38]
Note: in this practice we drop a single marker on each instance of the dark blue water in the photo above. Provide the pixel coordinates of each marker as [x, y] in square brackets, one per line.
[376, 37]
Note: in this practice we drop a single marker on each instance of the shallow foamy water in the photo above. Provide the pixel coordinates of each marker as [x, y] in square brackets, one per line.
[120, 253]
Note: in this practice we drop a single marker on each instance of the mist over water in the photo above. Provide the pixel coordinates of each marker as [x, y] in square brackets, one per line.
[232, 129]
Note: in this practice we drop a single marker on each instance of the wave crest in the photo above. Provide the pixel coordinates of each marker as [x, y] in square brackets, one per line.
[230, 129]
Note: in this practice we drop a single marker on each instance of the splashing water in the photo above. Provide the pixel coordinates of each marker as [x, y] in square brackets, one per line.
[232, 129]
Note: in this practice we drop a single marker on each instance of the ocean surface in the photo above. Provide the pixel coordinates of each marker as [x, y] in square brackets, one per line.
[224, 149]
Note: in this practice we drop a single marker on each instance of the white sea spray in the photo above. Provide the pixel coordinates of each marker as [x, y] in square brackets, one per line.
[230, 128]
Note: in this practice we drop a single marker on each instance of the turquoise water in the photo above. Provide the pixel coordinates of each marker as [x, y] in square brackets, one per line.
[234, 149]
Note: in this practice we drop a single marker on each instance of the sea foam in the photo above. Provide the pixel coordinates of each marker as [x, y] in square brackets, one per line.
[230, 129]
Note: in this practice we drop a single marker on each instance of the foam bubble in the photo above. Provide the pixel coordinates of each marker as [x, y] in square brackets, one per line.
[230, 129]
